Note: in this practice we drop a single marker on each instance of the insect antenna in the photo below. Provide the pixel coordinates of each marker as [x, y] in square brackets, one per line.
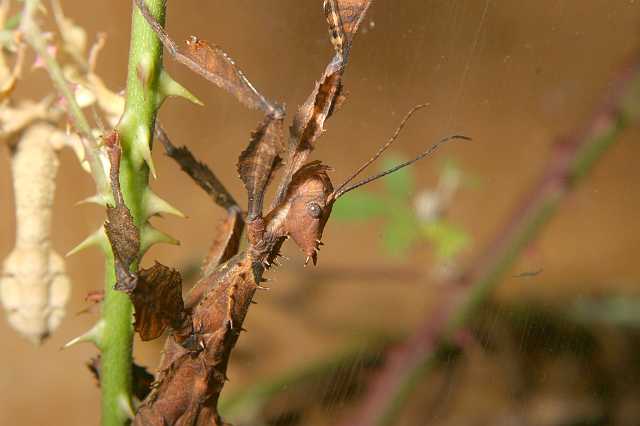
[384, 147]
[343, 189]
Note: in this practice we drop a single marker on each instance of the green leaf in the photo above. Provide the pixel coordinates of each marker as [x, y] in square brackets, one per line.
[399, 183]
[359, 206]
[400, 233]
[450, 167]
[447, 239]
[614, 310]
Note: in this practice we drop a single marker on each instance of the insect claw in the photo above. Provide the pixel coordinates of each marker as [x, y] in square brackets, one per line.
[253, 302]
[261, 287]
[306, 261]
[314, 256]
[320, 243]
[230, 322]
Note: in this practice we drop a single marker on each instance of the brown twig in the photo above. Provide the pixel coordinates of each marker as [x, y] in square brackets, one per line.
[199, 172]
[571, 159]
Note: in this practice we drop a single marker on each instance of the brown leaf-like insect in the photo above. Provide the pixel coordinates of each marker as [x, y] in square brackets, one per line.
[212, 63]
[157, 299]
[193, 370]
[310, 196]
[258, 162]
[344, 18]
[120, 227]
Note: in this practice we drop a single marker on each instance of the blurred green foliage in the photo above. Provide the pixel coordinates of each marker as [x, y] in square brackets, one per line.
[621, 311]
[404, 224]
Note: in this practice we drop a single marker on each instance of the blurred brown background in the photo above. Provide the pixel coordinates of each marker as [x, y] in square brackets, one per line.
[513, 75]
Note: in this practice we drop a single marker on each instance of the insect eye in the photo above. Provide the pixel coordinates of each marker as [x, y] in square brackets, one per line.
[314, 210]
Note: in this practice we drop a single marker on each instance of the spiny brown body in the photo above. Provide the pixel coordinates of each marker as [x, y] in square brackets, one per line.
[332, 14]
[196, 354]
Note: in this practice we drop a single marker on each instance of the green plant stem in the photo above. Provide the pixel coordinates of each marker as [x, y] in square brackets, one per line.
[572, 160]
[135, 130]
[34, 37]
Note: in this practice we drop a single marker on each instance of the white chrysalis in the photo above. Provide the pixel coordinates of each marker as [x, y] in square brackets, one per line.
[34, 287]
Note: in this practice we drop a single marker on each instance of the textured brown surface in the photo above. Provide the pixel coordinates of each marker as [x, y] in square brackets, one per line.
[534, 71]
[257, 163]
[157, 299]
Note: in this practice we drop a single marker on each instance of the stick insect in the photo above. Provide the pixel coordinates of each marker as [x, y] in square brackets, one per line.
[34, 286]
[196, 354]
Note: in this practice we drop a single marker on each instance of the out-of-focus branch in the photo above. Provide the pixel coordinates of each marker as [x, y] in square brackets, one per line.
[35, 38]
[247, 406]
[571, 160]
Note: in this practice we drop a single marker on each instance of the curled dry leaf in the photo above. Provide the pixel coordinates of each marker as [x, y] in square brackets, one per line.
[212, 63]
[351, 13]
[221, 70]
[258, 162]
[193, 369]
[308, 122]
[120, 227]
[226, 243]
[157, 299]
[344, 18]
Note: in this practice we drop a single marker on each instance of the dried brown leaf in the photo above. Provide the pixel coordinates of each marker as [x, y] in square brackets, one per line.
[222, 71]
[258, 162]
[216, 66]
[193, 371]
[198, 171]
[352, 12]
[157, 299]
[308, 122]
[120, 227]
[226, 243]
[212, 63]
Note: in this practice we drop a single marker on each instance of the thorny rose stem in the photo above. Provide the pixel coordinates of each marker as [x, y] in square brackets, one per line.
[135, 130]
[36, 40]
